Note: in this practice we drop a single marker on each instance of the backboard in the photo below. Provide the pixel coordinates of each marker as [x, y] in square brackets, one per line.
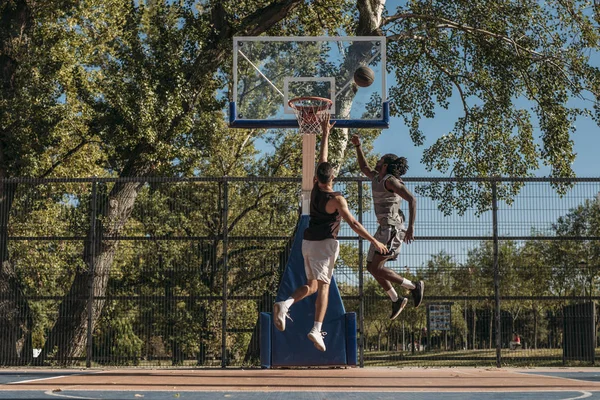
[269, 71]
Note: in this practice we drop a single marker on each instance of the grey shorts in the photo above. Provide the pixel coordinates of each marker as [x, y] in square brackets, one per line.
[319, 258]
[392, 237]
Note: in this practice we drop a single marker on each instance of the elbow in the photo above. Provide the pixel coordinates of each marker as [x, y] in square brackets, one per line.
[412, 202]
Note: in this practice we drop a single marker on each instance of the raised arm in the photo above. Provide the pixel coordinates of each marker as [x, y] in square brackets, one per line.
[398, 187]
[362, 161]
[324, 152]
[342, 208]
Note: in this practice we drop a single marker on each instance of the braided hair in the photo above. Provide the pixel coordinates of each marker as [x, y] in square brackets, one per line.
[396, 166]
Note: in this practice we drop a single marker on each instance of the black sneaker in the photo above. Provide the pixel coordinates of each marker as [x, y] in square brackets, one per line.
[398, 306]
[417, 293]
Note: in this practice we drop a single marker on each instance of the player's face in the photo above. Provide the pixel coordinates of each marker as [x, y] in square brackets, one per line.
[380, 165]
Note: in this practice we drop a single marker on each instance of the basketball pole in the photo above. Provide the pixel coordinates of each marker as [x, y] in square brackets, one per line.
[308, 169]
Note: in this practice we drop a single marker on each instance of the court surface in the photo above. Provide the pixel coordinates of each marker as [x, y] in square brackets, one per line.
[303, 384]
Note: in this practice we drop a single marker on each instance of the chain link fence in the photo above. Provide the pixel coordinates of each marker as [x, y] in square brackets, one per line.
[175, 272]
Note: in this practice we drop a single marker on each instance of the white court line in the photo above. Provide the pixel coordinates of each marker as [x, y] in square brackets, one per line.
[37, 379]
[543, 373]
[460, 371]
[42, 379]
[583, 396]
[51, 393]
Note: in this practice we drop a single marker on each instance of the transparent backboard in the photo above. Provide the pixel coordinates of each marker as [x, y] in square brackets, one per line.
[270, 71]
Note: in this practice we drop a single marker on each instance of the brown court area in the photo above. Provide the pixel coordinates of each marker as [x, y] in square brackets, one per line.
[322, 379]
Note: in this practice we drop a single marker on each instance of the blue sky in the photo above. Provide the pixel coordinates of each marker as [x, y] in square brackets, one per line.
[396, 140]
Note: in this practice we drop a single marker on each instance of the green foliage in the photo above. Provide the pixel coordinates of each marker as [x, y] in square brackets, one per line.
[112, 88]
[513, 66]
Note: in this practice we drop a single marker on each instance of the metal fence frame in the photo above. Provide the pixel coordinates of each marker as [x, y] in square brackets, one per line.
[224, 237]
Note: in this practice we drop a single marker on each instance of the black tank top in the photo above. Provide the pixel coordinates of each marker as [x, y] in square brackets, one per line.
[322, 225]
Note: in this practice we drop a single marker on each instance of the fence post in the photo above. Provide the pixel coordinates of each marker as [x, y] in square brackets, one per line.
[225, 250]
[496, 273]
[361, 297]
[91, 273]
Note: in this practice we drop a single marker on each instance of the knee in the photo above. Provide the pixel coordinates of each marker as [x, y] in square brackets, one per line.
[312, 287]
[323, 287]
[373, 268]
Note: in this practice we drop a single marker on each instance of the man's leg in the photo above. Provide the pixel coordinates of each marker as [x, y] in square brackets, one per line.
[315, 334]
[398, 302]
[386, 276]
[322, 301]
[280, 309]
[305, 290]
[382, 274]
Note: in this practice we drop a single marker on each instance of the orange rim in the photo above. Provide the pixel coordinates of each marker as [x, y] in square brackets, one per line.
[326, 103]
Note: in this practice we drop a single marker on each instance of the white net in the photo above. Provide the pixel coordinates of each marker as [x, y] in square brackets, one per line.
[311, 112]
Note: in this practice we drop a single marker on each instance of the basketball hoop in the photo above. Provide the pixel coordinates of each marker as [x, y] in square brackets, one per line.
[311, 112]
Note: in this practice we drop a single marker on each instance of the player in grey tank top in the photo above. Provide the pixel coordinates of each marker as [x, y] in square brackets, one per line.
[388, 191]
[386, 203]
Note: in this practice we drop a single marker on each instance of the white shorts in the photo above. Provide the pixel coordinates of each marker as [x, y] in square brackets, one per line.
[319, 258]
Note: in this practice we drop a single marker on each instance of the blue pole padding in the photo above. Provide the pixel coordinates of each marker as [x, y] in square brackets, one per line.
[266, 325]
[351, 348]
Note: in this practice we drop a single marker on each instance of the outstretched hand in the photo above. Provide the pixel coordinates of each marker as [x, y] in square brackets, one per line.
[380, 247]
[409, 235]
[355, 140]
[326, 126]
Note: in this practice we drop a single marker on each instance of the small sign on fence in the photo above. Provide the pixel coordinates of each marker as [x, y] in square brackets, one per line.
[439, 316]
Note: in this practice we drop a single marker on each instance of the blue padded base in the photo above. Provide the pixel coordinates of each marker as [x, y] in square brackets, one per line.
[292, 347]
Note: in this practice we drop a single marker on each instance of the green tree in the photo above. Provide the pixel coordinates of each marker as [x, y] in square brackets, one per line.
[512, 65]
[582, 269]
[146, 80]
[152, 89]
[42, 133]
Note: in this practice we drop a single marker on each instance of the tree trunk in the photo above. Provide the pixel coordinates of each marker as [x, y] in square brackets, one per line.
[15, 319]
[68, 337]
[369, 23]
[15, 315]
[15, 23]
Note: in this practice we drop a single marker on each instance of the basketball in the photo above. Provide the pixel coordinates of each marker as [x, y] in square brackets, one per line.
[364, 76]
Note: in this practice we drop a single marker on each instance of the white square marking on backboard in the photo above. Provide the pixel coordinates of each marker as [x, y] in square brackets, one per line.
[288, 79]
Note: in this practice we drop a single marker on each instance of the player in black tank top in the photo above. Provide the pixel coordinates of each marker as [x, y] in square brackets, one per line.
[320, 247]
[322, 225]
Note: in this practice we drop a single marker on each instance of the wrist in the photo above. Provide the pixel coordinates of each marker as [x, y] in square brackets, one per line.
[357, 145]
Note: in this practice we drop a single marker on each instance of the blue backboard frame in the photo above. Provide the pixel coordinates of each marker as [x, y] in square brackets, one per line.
[375, 57]
[383, 123]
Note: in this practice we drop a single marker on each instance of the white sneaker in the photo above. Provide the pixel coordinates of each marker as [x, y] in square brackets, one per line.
[280, 313]
[317, 338]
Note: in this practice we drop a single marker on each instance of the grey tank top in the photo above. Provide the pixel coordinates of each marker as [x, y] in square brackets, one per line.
[386, 203]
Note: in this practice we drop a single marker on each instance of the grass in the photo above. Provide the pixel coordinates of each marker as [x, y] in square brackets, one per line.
[474, 358]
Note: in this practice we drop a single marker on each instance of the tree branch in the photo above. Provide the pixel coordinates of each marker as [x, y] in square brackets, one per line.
[248, 209]
[214, 54]
[444, 23]
[263, 19]
[369, 17]
[66, 156]
[244, 283]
